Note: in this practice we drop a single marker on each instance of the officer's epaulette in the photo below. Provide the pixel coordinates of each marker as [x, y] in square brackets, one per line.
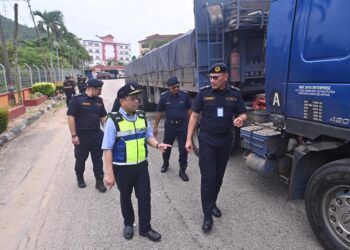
[183, 91]
[164, 92]
[232, 87]
[78, 94]
[205, 87]
[115, 116]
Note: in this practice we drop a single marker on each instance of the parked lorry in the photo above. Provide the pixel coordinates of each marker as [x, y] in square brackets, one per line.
[298, 53]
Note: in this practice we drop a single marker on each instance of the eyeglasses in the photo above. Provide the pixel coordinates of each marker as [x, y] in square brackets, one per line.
[175, 87]
[214, 77]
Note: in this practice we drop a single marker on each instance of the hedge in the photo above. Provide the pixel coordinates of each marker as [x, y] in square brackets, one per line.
[46, 88]
[4, 118]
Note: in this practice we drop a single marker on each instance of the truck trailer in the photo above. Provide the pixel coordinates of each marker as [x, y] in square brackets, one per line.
[296, 52]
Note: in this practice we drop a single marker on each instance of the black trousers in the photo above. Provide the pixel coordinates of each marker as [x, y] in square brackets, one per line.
[174, 131]
[90, 142]
[212, 163]
[129, 178]
[69, 95]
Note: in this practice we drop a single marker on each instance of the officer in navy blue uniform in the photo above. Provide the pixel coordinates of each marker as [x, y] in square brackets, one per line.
[177, 107]
[86, 113]
[222, 108]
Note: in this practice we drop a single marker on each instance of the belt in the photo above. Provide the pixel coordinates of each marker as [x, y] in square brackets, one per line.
[175, 121]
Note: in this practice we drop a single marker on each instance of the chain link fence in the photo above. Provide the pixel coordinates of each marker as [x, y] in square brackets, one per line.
[31, 74]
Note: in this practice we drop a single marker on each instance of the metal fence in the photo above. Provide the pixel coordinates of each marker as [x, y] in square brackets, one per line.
[30, 74]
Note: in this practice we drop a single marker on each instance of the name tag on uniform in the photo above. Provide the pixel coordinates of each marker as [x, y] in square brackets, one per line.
[220, 112]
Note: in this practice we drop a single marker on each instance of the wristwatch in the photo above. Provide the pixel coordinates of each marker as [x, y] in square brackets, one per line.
[73, 136]
[157, 145]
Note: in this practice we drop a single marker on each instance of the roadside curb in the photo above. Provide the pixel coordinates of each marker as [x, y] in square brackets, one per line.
[9, 135]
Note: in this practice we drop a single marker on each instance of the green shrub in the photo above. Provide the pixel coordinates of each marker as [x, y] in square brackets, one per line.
[46, 88]
[4, 118]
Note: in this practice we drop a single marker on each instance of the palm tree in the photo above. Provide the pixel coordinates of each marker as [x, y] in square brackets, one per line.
[51, 22]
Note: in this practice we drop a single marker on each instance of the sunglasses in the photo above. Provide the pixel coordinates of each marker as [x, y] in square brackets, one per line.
[214, 77]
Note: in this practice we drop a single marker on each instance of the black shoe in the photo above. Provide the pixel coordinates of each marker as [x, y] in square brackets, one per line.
[216, 212]
[128, 232]
[81, 182]
[164, 168]
[207, 225]
[151, 235]
[100, 186]
[183, 175]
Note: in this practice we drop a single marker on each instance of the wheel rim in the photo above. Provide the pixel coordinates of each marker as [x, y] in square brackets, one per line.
[336, 213]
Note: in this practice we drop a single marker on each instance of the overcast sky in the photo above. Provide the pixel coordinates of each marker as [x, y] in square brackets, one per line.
[128, 21]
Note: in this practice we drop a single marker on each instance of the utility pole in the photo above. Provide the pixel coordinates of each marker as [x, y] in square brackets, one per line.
[7, 64]
[15, 35]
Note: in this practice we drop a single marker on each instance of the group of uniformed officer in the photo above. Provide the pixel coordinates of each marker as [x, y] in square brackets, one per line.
[127, 132]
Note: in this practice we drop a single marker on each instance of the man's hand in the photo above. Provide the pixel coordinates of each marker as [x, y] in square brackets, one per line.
[189, 146]
[238, 122]
[76, 140]
[109, 180]
[162, 147]
[155, 132]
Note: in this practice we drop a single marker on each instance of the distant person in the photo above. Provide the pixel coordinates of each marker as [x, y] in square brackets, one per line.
[86, 113]
[222, 108]
[69, 88]
[125, 157]
[177, 107]
[82, 84]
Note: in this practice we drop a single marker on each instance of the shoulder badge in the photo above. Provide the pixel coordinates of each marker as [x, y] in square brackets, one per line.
[205, 87]
[164, 92]
[141, 114]
[115, 116]
[231, 87]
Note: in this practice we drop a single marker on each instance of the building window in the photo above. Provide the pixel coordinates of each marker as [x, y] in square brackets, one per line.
[98, 58]
[90, 50]
[96, 44]
[122, 58]
[97, 51]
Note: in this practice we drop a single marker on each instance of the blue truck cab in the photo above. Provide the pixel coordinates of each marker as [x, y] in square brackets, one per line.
[307, 89]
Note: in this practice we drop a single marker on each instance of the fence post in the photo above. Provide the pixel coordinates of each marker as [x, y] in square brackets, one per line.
[30, 74]
[4, 75]
[20, 77]
[38, 71]
[41, 66]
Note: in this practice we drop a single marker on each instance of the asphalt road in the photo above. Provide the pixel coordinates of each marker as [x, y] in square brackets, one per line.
[41, 206]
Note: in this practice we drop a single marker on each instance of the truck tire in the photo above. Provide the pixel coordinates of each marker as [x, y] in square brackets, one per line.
[327, 201]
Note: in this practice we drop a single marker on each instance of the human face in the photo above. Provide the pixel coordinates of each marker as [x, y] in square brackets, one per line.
[174, 89]
[130, 103]
[218, 80]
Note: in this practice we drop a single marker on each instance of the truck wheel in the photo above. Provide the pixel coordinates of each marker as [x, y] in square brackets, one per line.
[327, 201]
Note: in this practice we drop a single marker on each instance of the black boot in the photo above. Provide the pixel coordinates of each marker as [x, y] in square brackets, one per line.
[182, 173]
[164, 168]
[81, 182]
[100, 186]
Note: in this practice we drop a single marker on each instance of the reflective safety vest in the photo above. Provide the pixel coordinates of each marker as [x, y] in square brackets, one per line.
[130, 142]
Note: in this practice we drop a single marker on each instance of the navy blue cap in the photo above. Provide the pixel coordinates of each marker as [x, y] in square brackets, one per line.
[218, 68]
[94, 83]
[172, 81]
[131, 88]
